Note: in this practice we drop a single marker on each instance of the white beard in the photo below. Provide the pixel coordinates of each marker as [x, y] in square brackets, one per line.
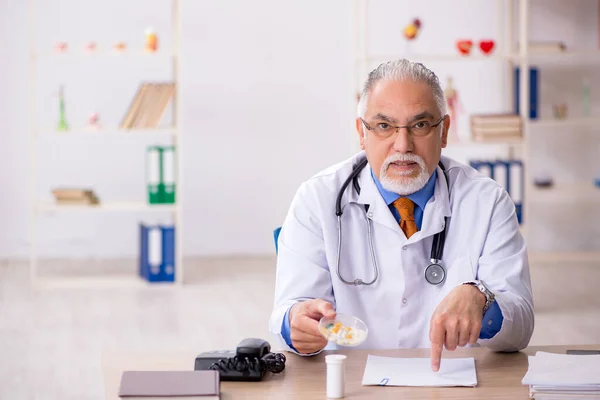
[402, 183]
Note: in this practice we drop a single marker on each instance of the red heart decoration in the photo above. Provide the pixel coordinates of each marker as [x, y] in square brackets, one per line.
[464, 46]
[486, 46]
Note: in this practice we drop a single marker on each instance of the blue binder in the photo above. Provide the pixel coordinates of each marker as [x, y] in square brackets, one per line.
[534, 92]
[513, 179]
[157, 253]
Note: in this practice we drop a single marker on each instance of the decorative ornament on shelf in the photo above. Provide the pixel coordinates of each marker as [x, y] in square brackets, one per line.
[464, 46]
[61, 47]
[120, 47]
[411, 30]
[151, 41]
[63, 126]
[560, 110]
[486, 46]
[90, 47]
[94, 122]
[454, 106]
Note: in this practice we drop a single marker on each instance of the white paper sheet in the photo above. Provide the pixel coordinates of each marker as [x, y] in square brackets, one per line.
[394, 371]
[563, 370]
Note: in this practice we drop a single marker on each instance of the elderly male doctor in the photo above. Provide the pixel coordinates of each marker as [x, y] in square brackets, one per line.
[405, 198]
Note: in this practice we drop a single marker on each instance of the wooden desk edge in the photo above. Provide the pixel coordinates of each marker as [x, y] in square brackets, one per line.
[493, 368]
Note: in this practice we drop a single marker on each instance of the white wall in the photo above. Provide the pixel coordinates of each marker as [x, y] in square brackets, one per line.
[268, 100]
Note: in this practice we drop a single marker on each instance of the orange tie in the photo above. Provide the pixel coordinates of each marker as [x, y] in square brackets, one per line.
[406, 208]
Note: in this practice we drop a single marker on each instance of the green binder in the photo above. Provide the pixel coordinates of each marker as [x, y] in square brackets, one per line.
[160, 176]
[153, 173]
[168, 174]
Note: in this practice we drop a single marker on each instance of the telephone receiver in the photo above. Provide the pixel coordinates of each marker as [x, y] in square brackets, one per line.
[252, 358]
[253, 348]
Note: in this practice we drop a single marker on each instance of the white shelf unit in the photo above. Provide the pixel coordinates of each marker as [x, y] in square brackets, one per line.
[508, 54]
[108, 206]
[573, 193]
[502, 54]
[166, 131]
[36, 132]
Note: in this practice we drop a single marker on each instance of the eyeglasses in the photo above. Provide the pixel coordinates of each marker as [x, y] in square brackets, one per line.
[383, 130]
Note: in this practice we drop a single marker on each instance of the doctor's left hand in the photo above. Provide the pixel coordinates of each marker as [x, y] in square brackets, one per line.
[456, 321]
[304, 325]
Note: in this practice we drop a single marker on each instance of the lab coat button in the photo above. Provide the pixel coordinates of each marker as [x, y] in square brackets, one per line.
[404, 247]
[404, 301]
[370, 214]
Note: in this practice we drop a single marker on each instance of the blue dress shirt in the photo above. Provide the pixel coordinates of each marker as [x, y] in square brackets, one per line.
[492, 320]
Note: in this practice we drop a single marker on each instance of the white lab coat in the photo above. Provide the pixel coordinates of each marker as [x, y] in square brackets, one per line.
[483, 242]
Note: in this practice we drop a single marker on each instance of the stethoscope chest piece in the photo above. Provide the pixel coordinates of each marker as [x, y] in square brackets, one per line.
[435, 273]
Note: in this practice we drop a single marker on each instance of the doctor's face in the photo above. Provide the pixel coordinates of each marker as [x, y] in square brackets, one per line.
[402, 159]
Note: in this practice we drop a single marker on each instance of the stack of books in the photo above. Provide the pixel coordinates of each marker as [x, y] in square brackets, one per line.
[497, 128]
[148, 105]
[75, 196]
[563, 376]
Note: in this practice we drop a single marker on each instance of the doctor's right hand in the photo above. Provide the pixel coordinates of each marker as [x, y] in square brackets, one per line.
[304, 325]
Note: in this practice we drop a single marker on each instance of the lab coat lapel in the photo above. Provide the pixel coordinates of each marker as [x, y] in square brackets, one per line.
[436, 209]
[379, 212]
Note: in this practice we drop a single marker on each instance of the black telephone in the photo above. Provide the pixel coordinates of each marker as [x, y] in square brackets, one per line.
[252, 358]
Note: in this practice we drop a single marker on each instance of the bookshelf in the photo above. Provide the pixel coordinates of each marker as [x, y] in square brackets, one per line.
[574, 193]
[113, 134]
[513, 27]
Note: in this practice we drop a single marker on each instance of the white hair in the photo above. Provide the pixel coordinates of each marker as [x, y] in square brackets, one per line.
[399, 70]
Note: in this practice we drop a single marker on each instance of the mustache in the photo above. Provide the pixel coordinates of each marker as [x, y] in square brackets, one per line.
[398, 157]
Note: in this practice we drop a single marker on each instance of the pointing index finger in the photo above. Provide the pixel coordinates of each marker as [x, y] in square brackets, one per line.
[437, 337]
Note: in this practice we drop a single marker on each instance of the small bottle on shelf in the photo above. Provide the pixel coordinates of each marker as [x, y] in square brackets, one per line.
[62, 119]
[151, 41]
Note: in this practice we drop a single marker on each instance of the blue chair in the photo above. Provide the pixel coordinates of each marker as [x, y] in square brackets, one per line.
[275, 237]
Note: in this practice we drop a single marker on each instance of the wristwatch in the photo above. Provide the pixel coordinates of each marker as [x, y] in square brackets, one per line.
[489, 295]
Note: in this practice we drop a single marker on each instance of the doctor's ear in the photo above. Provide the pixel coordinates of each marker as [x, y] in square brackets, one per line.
[445, 129]
[361, 133]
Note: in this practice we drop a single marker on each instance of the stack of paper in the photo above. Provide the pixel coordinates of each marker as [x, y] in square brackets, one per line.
[394, 371]
[563, 376]
[496, 127]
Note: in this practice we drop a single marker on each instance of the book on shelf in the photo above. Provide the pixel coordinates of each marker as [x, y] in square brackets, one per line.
[148, 105]
[503, 119]
[534, 91]
[74, 196]
[496, 127]
[550, 46]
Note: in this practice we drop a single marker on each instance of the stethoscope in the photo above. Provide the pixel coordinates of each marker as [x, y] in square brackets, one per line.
[435, 273]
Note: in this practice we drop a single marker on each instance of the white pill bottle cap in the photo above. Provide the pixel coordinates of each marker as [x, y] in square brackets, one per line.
[335, 375]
